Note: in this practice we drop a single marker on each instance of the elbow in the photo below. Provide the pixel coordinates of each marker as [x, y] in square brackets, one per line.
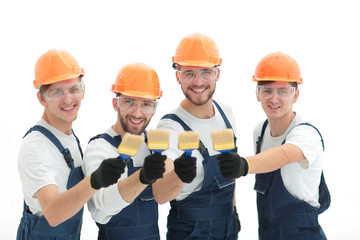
[159, 199]
[53, 221]
[54, 218]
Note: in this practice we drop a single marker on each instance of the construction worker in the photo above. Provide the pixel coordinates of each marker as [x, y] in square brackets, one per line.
[290, 185]
[127, 210]
[50, 155]
[202, 201]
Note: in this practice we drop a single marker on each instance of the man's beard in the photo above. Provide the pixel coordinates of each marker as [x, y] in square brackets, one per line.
[199, 103]
[128, 129]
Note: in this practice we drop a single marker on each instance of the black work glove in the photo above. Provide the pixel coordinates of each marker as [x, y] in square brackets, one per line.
[185, 168]
[153, 168]
[232, 165]
[107, 173]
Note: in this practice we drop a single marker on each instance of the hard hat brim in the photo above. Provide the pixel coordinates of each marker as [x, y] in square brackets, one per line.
[58, 79]
[197, 64]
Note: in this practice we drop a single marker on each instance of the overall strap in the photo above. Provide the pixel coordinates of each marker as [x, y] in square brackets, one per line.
[113, 141]
[65, 151]
[228, 124]
[78, 143]
[259, 141]
[308, 124]
[176, 118]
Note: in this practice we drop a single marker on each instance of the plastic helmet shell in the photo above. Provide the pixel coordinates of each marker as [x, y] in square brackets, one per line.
[138, 80]
[197, 50]
[278, 67]
[55, 66]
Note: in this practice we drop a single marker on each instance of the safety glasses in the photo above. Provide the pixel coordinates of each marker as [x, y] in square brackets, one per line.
[265, 92]
[130, 104]
[76, 90]
[206, 75]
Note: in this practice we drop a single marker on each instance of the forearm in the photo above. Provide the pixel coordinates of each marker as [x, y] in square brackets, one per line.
[131, 187]
[274, 158]
[58, 207]
[169, 187]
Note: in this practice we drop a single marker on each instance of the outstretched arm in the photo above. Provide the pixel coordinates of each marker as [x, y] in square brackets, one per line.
[274, 158]
[233, 166]
[168, 187]
[58, 207]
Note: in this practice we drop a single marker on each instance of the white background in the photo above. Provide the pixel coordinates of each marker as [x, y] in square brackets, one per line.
[323, 36]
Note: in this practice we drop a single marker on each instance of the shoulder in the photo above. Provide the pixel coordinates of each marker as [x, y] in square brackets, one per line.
[303, 128]
[304, 132]
[170, 124]
[258, 128]
[225, 107]
[308, 139]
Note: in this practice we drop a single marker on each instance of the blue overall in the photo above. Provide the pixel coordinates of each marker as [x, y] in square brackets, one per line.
[209, 212]
[282, 216]
[139, 220]
[37, 228]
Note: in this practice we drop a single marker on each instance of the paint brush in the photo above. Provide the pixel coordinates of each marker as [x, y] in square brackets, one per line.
[158, 140]
[223, 140]
[188, 141]
[129, 145]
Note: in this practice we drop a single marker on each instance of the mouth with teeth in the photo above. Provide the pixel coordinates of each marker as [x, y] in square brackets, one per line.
[199, 90]
[274, 107]
[68, 109]
[136, 121]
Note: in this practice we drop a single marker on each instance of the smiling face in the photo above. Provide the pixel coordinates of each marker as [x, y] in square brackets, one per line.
[275, 107]
[132, 120]
[200, 90]
[63, 110]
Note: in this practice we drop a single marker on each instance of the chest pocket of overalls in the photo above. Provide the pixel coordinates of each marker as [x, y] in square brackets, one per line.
[223, 182]
[147, 194]
[219, 179]
[262, 183]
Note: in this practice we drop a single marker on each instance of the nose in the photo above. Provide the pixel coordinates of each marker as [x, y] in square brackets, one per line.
[274, 97]
[67, 97]
[198, 80]
[137, 111]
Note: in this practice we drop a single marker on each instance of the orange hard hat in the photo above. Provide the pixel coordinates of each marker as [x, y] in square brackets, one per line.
[137, 80]
[278, 67]
[197, 50]
[55, 66]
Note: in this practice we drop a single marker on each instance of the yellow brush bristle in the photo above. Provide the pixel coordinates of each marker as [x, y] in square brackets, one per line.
[223, 139]
[130, 144]
[188, 140]
[158, 139]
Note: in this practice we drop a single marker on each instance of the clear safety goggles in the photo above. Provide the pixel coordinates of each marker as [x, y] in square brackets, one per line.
[206, 75]
[130, 104]
[76, 90]
[265, 92]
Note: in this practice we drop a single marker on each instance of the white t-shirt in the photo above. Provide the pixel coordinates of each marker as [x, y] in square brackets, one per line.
[204, 127]
[40, 163]
[107, 202]
[302, 178]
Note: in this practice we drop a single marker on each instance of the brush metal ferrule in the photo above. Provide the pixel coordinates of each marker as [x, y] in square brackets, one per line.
[184, 146]
[127, 150]
[158, 145]
[224, 146]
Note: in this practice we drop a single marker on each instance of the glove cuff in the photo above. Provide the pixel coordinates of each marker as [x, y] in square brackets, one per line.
[142, 178]
[246, 166]
[93, 183]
